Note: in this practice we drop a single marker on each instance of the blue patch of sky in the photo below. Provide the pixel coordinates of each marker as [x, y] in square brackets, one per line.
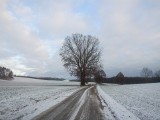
[142, 11]
[146, 5]
[149, 4]
[11, 9]
[29, 3]
[89, 10]
[34, 23]
[39, 10]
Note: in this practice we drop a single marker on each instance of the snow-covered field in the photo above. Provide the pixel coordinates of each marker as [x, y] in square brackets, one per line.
[24, 98]
[19, 81]
[138, 100]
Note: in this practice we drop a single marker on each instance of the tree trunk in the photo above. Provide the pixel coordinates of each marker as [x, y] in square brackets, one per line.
[83, 79]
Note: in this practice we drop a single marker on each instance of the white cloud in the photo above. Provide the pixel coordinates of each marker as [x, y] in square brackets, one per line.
[129, 33]
[19, 36]
[61, 20]
[18, 39]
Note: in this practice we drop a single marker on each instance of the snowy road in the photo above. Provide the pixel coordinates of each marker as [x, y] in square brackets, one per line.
[83, 105]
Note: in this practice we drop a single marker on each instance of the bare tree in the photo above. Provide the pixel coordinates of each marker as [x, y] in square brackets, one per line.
[120, 78]
[157, 73]
[146, 72]
[5, 73]
[80, 54]
[99, 76]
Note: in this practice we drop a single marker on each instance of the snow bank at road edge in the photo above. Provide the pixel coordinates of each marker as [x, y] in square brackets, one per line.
[114, 110]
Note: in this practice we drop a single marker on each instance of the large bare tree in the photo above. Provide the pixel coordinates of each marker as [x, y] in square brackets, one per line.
[80, 54]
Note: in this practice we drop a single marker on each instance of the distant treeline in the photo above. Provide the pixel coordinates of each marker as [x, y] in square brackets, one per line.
[126, 80]
[132, 80]
[43, 78]
[5, 73]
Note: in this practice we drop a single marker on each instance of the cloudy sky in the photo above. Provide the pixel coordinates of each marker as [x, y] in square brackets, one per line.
[32, 32]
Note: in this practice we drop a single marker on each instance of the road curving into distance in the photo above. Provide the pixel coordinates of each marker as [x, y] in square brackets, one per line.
[82, 105]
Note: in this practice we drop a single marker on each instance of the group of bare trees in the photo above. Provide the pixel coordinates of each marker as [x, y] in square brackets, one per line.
[81, 56]
[119, 78]
[148, 73]
[99, 74]
[157, 73]
[5, 73]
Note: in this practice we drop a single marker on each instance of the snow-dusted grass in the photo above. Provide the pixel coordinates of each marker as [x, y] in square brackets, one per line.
[114, 110]
[20, 81]
[25, 100]
[143, 100]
